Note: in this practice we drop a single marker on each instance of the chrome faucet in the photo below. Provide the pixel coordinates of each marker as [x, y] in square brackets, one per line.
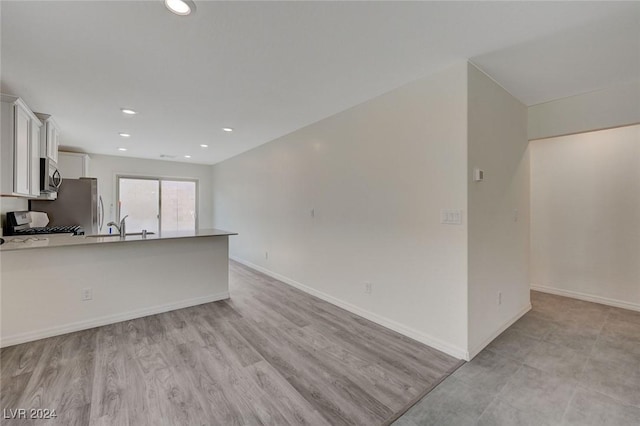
[121, 228]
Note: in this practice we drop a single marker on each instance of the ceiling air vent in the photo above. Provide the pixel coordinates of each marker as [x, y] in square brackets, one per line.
[167, 156]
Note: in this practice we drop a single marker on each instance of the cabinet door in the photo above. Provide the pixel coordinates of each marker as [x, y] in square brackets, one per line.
[35, 159]
[72, 165]
[55, 143]
[22, 150]
[52, 141]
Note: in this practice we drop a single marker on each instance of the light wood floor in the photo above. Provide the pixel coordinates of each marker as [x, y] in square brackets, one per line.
[270, 355]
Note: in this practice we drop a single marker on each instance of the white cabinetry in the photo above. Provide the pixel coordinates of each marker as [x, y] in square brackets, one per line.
[49, 137]
[22, 151]
[73, 165]
[19, 140]
[34, 183]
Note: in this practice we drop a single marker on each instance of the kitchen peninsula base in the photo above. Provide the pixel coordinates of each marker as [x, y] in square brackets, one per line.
[42, 288]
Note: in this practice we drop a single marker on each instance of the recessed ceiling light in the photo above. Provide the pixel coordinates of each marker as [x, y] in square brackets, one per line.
[122, 149]
[179, 7]
[128, 111]
[125, 135]
[187, 156]
[227, 129]
[204, 145]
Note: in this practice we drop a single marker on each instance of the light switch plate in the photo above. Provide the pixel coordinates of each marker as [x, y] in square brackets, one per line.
[451, 216]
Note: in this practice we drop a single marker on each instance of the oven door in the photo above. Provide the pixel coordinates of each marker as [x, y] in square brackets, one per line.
[50, 178]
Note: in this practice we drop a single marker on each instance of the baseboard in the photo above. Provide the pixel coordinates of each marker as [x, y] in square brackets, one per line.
[109, 319]
[378, 319]
[476, 350]
[587, 297]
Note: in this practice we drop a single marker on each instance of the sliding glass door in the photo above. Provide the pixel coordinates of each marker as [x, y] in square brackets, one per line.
[140, 200]
[158, 204]
[178, 205]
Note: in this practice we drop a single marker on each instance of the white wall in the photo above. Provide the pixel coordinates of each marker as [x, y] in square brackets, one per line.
[585, 223]
[615, 106]
[377, 176]
[498, 241]
[106, 167]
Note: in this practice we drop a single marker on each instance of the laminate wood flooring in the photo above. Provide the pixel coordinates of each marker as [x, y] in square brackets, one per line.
[271, 355]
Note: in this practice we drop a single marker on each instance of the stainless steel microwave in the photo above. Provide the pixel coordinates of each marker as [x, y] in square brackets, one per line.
[50, 178]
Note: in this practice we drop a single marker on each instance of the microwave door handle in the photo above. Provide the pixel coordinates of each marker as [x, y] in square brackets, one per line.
[101, 213]
[57, 181]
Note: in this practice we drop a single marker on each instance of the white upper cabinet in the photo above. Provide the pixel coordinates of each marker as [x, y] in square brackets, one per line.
[19, 140]
[73, 165]
[34, 182]
[49, 138]
[22, 153]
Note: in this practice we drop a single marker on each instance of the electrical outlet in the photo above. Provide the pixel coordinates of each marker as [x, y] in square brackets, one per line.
[87, 294]
[313, 212]
[499, 298]
[368, 287]
[266, 255]
[516, 213]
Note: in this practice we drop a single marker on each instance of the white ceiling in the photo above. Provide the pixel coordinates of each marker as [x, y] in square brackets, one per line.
[269, 68]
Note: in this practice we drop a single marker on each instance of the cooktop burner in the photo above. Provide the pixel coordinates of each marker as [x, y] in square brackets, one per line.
[75, 230]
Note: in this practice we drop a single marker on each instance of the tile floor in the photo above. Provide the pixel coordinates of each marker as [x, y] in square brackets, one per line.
[566, 362]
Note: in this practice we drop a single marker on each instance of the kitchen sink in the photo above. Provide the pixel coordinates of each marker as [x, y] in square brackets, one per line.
[129, 234]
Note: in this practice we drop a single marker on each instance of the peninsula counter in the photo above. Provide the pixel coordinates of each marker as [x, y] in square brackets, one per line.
[57, 284]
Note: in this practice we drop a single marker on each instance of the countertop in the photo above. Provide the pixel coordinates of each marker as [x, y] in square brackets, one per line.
[65, 240]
